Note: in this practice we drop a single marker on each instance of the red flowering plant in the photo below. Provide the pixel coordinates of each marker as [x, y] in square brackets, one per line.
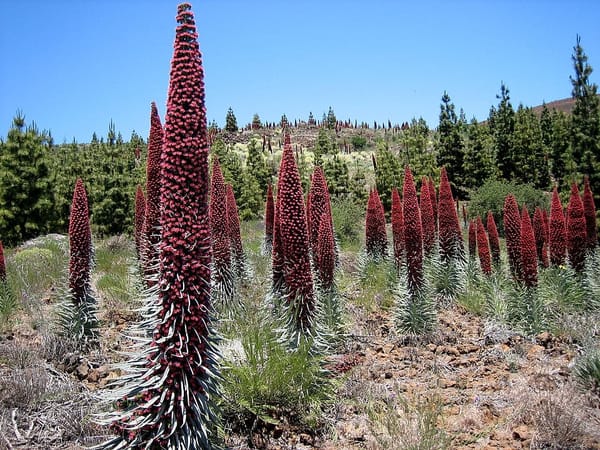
[319, 206]
[238, 258]
[576, 231]
[589, 210]
[375, 233]
[483, 248]
[493, 238]
[77, 315]
[539, 232]
[529, 259]
[557, 233]
[166, 396]
[150, 236]
[434, 203]
[293, 231]
[222, 272]
[138, 222]
[512, 230]
[427, 218]
[413, 233]
[472, 232]
[397, 228]
[267, 245]
[450, 236]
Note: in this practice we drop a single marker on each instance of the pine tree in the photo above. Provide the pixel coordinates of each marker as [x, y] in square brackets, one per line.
[257, 165]
[331, 119]
[450, 145]
[231, 125]
[479, 162]
[585, 120]
[530, 159]
[502, 124]
[25, 195]
[388, 173]
[561, 156]
[256, 123]
[336, 172]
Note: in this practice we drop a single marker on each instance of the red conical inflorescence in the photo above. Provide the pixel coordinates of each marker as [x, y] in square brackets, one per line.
[295, 242]
[319, 205]
[434, 203]
[138, 223]
[546, 225]
[269, 217]
[528, 251]
[278, 281]
[427, 217]
[151, 231]
[221, 243]
[2, 264]
[512, 231]
[397, 227]
[80, 244]
[451, 243]
[238, 261]
[589, 210]
[375, 234]
[493, 238]
[576, 231]
[472, 232]
[540, 237]
[413, 232]
[557, 233]
[325, 254]
[169, 401]
[483, 248]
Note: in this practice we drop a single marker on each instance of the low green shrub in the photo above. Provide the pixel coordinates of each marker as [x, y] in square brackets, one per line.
[490, 197]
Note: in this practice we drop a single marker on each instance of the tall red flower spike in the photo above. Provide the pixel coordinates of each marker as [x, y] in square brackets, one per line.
[493, 238]
[80, 244]
[277, 260]
[528, 251]
[434, 202]
[427, 217]
[483, 248]
[540, 237]
[138, 223]
[295, 243]
[375, 233]
[589, 209]
[472, 238]
[413, 232]
[512, 230]
[576, 231]
[151, 232]
[269, 217]
[235, 237]
[557, 233]
[325, 254]
[221, 243]
[2, 264]
[318, 205]
[168, 400]
[546, 225]
[451, 243]
[397, 227]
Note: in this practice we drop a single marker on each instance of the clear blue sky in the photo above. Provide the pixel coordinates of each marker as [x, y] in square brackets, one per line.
[73, 65]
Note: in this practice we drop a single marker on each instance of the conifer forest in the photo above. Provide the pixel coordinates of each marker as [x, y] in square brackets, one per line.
[311, 283]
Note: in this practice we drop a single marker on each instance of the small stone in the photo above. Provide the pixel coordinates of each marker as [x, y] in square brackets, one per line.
[521, 433]
[306, 439]
[82, 370]
[388, 375]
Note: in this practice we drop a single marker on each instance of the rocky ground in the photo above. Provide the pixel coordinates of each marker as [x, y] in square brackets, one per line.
[471, 385]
